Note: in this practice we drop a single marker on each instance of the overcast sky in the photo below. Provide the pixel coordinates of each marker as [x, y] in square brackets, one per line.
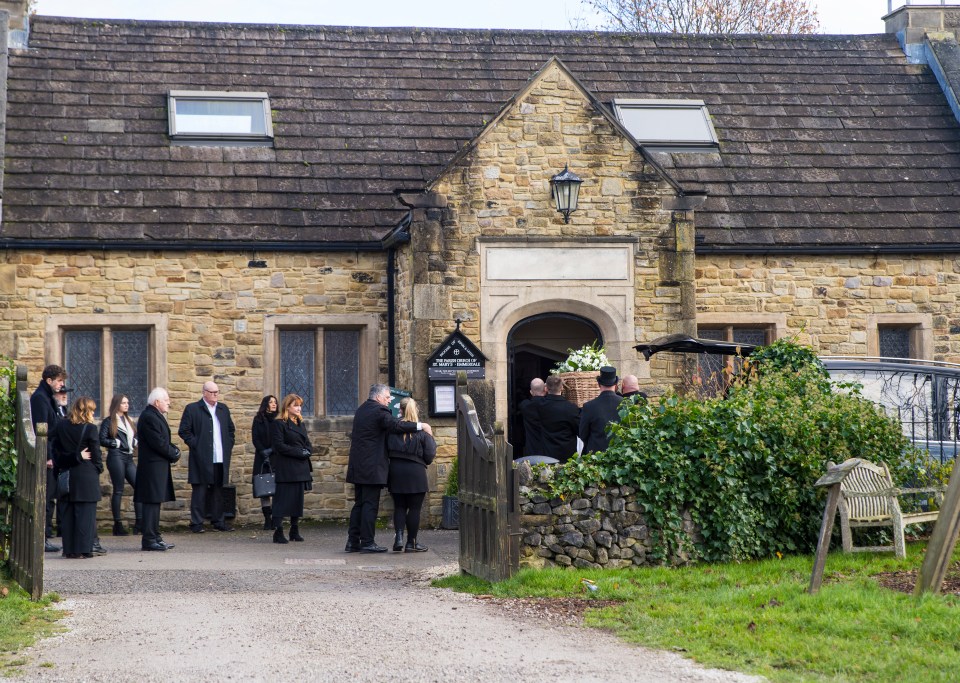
[836, 16]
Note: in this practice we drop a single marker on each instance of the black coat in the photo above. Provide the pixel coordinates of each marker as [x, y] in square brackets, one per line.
[155, 454]
[290, 463]
[409, 456]
[196, 430]
[44, 407]
[66, 442]
[559, 421]
[595, 417]
[262, 434]
[532, 430]
[107, 441]
[368, 443]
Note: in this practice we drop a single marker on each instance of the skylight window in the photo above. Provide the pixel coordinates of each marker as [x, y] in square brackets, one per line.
[681, 124]
[220, 116]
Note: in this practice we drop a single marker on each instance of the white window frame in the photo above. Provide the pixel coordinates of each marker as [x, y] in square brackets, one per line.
[226, 96]
[708, 143]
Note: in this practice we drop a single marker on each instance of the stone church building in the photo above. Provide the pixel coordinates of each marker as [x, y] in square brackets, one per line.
[311, 209]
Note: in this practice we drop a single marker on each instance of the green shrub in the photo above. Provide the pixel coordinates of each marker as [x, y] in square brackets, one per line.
[8, 448]
[743, 465]
[453, 480]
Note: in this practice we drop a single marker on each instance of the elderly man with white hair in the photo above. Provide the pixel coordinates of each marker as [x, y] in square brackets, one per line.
[154, 480]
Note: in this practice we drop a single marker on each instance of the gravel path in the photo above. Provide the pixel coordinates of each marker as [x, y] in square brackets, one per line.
[233, 607]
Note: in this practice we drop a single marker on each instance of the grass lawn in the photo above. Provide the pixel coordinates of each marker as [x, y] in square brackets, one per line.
[22, 622]
[757, 617]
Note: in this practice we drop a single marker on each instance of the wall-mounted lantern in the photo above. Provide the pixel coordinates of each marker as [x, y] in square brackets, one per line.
[566, 189]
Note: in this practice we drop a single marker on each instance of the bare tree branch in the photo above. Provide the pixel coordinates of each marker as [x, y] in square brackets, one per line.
[707, 16]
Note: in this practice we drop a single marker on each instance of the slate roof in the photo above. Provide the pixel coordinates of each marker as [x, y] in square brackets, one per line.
[826, 142]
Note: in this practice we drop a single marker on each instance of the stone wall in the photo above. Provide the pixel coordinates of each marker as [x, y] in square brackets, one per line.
[213, 306]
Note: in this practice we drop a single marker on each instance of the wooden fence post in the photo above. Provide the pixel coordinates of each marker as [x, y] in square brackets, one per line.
[942, 540]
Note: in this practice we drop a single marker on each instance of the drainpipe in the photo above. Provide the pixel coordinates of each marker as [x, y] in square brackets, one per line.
[399, 235]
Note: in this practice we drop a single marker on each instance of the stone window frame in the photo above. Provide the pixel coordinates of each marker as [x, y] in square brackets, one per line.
[919, 324]
[214, 137]
[368, 324]
[155, 323]
[774, 323]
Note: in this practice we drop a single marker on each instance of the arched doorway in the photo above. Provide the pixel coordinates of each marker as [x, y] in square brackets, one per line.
[534, 346]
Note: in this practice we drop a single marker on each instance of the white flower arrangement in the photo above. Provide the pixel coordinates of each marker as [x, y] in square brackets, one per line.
[584, 359]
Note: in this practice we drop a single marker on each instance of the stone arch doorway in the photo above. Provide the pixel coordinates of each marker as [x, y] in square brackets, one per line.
[534, 346]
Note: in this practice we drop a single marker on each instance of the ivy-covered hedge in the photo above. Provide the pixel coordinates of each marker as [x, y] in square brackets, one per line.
[744, 464]
[8, 448]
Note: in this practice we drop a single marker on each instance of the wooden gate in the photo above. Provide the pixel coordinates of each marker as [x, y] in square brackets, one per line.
[29, 501]
[489, 522]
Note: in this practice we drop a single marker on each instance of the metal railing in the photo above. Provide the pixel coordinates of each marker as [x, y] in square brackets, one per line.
[927, 3]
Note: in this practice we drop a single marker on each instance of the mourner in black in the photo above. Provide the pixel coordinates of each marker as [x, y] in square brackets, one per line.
[119, 437]
[600, 411]
[263, 448]
[368, 466]
[154, 456]
[46, 409]
[529, 411]
[631, 387]
[207, 429]
[410, 453]
[75, 445]
[291, 467]
[559, 421]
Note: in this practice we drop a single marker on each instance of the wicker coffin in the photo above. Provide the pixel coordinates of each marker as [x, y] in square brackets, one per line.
[580, 387]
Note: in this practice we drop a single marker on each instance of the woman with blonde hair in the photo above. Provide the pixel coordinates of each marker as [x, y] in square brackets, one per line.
[291, 467]
[119, 436]
[76, 449]
[409, 456]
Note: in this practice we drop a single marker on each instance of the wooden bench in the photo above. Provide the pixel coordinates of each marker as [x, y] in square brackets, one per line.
[868, 498]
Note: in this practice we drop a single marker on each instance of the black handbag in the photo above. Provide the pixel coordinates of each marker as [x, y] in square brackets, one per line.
[264, 484]
[63, 483]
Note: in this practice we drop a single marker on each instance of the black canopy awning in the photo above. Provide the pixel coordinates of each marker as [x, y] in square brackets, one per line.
[682, 343]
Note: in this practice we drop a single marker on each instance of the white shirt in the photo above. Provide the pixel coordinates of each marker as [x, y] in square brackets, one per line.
[217, 438]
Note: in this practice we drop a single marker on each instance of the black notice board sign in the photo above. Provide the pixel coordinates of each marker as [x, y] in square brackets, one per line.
[456, 353]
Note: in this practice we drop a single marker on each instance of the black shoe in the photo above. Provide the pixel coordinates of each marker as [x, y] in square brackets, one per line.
[267, 519]
[137, 528]
[87, 556]
[414, 547]
[197, 529]
[222, 527]
[278, 535]
[153, 546]
[398, 542]
[118, 529]
[98, 549]
[372, 548]
[49, 547]
[295, 534]
[352, 548]
[168, 546]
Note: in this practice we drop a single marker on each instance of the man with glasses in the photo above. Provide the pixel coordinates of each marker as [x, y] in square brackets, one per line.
[207, 429]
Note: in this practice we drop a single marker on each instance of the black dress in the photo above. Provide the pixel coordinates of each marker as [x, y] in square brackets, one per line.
[262, 440]
[79, 523]
[409, 458]
[291, 467]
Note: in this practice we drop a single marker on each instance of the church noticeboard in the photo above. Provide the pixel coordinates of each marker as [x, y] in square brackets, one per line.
[456, 353]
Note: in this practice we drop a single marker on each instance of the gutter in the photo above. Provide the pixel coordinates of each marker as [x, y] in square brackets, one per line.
[861, 249]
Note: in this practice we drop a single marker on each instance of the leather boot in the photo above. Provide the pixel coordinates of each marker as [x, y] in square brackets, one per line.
[278, 534]
[398, 541]
[97, 548]
[267, 518]
[118, 529]
[295, 529]
[414, 547]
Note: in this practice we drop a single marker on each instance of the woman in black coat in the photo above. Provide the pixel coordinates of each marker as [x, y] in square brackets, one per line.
[409, 456]
[76, 449]
[263, 448]
[291, 467]
[119, 436]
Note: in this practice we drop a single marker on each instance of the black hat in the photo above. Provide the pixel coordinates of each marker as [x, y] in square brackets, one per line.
[608, 376]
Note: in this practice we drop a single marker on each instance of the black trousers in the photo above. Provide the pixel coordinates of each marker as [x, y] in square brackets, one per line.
[122, 468]
[51, 501]
[198, 500]
[363, 516]
[78, 526]
[406, 512]
[151, 523]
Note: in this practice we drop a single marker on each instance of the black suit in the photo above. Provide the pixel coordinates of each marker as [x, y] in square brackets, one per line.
[532, 430]
[44, 408]
[78, 523]
[559, 420]
[154, 480]
[595, 417]
[205, 476]
[368, 467]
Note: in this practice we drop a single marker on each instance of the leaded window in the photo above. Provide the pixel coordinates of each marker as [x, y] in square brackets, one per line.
[896, 341]
[714, 371]
[104, 362]
[322, 366]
